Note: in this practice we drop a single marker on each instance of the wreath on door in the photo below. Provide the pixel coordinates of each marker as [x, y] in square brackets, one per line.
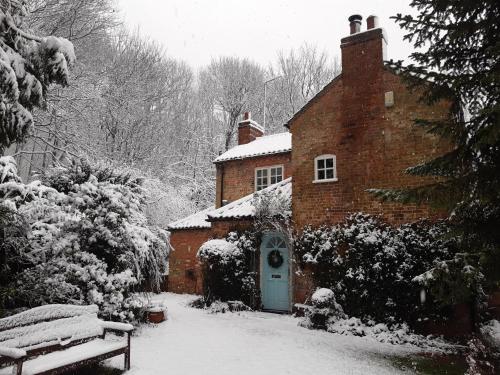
[275, 259]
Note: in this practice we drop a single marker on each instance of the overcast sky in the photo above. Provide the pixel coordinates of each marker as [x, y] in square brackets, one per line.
[198, 30]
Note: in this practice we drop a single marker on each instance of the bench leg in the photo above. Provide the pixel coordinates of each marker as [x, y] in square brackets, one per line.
[126, 365]
[18, 368]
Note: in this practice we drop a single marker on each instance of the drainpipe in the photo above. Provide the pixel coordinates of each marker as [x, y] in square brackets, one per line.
[219, 185]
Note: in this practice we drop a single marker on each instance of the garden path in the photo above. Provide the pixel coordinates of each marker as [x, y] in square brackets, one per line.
[193, 341]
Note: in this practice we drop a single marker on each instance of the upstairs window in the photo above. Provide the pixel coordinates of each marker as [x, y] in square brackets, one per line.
[268, 176]
[325, 168]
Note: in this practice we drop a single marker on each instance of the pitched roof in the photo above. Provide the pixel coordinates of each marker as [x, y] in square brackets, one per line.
[269, 144]
[243, 208]
[194, 221]
[239, 209]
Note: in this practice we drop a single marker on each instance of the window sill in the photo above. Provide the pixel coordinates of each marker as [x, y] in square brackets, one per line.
[323, 181]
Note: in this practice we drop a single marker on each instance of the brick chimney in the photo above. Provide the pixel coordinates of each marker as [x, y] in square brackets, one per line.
[248, 130]
[363, 51]
[363, 55]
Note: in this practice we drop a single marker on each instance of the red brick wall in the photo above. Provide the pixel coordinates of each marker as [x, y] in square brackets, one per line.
[184, 270]
[247, 133]
[238, 176]
[221, 228]
[373, 144]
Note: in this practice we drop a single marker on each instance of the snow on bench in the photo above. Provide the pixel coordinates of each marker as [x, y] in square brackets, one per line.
[52, 338]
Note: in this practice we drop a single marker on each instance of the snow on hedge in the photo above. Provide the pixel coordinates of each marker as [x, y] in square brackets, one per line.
[322, 296]
[491, 332]
[397, 334]
[217, 248]
[89, 238]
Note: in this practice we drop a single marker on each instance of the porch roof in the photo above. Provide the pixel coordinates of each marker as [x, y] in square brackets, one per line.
[198, 220]
[243, 208]
[240, 209]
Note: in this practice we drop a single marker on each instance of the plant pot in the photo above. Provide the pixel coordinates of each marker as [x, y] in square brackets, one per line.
[155, 316]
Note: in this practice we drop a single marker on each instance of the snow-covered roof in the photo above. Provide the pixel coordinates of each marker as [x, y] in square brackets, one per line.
[243, 207]
[239, 209]
[197, 220]
[269, 144]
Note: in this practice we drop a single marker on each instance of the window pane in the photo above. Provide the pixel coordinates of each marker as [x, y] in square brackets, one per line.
[321, 164]
[264, 172]
[321, 175]
[329, 163]
[273, 171]
[329, 173]
[279, 172]
[273, 179]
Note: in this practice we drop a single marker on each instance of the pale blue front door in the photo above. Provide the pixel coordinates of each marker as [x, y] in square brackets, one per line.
[275, 269]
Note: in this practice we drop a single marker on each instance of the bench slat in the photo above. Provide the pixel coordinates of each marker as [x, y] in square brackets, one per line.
[70, 356]
[52, 332]
[45, 313]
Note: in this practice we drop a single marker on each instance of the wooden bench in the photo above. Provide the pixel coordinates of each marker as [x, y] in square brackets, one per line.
[53, 339]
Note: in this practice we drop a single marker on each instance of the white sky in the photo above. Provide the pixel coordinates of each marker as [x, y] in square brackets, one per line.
[198, 30]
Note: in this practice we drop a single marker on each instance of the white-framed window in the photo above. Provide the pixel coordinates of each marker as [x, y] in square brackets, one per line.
[267, 176]
[325, 168]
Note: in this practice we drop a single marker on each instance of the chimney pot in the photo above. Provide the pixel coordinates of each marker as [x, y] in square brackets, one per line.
[355, 23]
[372, 22]
[248, 130]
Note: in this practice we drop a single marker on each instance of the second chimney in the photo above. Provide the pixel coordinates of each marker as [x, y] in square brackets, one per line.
[355, 23]
[371, 22]
[248, 130]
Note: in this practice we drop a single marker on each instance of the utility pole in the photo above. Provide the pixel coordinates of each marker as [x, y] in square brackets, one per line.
[265, 96]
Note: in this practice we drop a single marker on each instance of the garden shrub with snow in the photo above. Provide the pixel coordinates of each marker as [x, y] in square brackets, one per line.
[323, 310]
[228, 269]
[372, 267]
[325, 313]
[88, 239]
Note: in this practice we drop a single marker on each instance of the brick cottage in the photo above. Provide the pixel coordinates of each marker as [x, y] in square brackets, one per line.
[356, 134]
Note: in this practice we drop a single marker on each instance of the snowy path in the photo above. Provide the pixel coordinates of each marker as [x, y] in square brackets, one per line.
[195, 342]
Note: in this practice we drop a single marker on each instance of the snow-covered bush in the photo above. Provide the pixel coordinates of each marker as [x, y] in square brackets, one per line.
[228, 269]
[273, 212]
[324, 309]
[29, 64]
[491, 333]
[89, 240]
[371, 266]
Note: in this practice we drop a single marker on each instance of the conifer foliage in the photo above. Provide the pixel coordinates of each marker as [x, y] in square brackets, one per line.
[28, 65]
[457, 60]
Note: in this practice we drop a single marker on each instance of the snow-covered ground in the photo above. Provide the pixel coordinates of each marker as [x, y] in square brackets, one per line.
[193, 341]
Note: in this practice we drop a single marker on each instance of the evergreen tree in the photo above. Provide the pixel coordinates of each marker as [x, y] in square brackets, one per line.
[457, 60]
[28, 65]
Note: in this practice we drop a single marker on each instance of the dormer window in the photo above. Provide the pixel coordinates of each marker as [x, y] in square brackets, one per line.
[325, 168]
[267, 176]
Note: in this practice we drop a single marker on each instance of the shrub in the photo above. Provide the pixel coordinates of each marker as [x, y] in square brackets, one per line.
[371, 266]
[228, 267]
[324, 309]
[88, 241]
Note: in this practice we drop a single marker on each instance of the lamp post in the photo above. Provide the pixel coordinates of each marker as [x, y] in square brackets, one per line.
[265, 96]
